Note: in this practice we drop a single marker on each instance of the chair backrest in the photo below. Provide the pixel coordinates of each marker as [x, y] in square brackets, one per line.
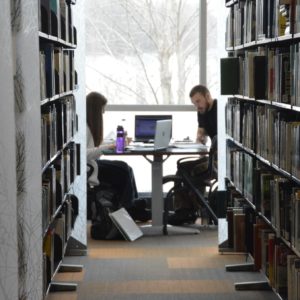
[90, 170]
[213, 158]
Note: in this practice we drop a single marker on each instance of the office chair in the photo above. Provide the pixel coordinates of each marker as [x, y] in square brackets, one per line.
[203, 186]
[91, 193]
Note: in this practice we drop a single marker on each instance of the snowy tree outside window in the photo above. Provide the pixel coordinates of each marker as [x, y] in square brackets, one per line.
[144, 51]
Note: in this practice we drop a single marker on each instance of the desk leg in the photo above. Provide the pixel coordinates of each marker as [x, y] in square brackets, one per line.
[157, 203]
[157, 191]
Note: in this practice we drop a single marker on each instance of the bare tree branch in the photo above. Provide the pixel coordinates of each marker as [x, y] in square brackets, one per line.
[151, 31]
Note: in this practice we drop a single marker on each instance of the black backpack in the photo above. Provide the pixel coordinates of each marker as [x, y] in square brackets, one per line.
[104, 202]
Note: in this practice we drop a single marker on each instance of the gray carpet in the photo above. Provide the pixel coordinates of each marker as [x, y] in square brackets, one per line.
[161, 268]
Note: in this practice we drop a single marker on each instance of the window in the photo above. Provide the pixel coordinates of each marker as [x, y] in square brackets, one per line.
[145, 53]
[142, 52]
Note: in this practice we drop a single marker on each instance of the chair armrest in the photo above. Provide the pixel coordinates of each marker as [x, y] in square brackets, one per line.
[187, 158]
[170, 178]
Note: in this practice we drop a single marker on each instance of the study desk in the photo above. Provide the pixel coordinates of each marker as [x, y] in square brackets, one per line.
[157, 203]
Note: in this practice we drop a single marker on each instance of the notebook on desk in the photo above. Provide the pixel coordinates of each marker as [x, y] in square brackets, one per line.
[144, 127]
[189, 145]
[163, 133]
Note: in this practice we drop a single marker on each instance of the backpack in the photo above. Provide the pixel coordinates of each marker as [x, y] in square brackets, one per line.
[105, 201]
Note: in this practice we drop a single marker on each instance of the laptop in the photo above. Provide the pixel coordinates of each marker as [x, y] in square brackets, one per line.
[144, 127]
[125, 224]
[163, 134]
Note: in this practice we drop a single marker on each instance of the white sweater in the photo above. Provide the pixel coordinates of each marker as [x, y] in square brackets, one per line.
[93, 153]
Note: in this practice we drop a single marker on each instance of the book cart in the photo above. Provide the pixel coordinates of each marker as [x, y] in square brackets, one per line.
[60, 154]
[261, 75]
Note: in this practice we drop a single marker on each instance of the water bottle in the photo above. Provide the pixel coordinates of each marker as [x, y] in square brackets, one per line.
[120, 141]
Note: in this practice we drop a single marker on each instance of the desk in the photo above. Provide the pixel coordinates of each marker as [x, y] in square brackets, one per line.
[158, 158]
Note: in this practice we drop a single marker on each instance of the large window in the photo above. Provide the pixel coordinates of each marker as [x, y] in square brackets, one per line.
[142, 51]
[145, 53]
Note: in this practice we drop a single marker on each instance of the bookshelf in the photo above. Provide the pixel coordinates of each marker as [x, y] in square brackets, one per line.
[263, 135]
[60, 153]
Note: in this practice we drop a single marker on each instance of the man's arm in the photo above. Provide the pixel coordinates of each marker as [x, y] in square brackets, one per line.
[201, 136]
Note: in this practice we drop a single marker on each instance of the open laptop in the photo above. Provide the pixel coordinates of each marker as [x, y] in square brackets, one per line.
[125, 224]
[163, 134]
[144, 127]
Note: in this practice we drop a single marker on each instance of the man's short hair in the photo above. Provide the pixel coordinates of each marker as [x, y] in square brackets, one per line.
[201, 89]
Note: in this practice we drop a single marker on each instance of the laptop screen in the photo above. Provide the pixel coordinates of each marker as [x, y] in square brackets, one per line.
[144, 126]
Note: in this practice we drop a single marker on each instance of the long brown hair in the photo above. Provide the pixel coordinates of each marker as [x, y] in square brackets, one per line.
[95, 103]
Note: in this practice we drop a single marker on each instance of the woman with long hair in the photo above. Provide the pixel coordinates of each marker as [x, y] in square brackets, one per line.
[116, 173]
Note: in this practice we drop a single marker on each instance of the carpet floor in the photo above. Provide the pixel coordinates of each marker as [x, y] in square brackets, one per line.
[159, 268]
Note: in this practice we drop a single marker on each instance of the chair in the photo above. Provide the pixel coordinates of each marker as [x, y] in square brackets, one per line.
[203, 186]
[91, 193]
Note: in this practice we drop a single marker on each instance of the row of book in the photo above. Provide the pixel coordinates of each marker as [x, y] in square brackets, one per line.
[58, 126]
[278, 136]
[266, 73]
[59, 123]
[57, 180]
[276, 260]
[275, 196]
[255, 20]
[239, 121]
[248, 232]
[57, 72]
[279, 203]
[270, 132]
[56, 237]
[55, 19]
[240, 171]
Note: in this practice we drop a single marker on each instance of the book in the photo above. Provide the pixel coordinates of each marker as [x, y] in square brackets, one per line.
[259, 225]
[271, 247]
[265, 179]
[55, 18]
[265, 262]
[231, 211]
[45, 19]
[58, 71]
[229, 28]
[249, 222]
[296, 287]
[48, 250]
[248, 177]
[291, 258]
[249, 73]
[60, 231]
[43, 84]
[239, 236]
[296, 219]
[280, 256]
[64, 20]
[262, 19]
[260, 76]
[49, 66]
[229, 76]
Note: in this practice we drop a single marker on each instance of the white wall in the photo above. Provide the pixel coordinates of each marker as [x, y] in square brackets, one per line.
[221, 99]
[28, 143]
[8, 224]
[222, 223]
[20, 166]
[79, 187]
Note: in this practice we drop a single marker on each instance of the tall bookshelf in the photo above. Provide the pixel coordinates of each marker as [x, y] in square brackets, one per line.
[59, 124]
[263, 135]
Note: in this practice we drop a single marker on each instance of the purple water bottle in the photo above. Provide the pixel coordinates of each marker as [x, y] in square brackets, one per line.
[120, 139]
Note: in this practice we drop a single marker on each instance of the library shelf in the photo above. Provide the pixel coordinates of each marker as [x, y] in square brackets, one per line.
[263, 138]
[59, 123]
